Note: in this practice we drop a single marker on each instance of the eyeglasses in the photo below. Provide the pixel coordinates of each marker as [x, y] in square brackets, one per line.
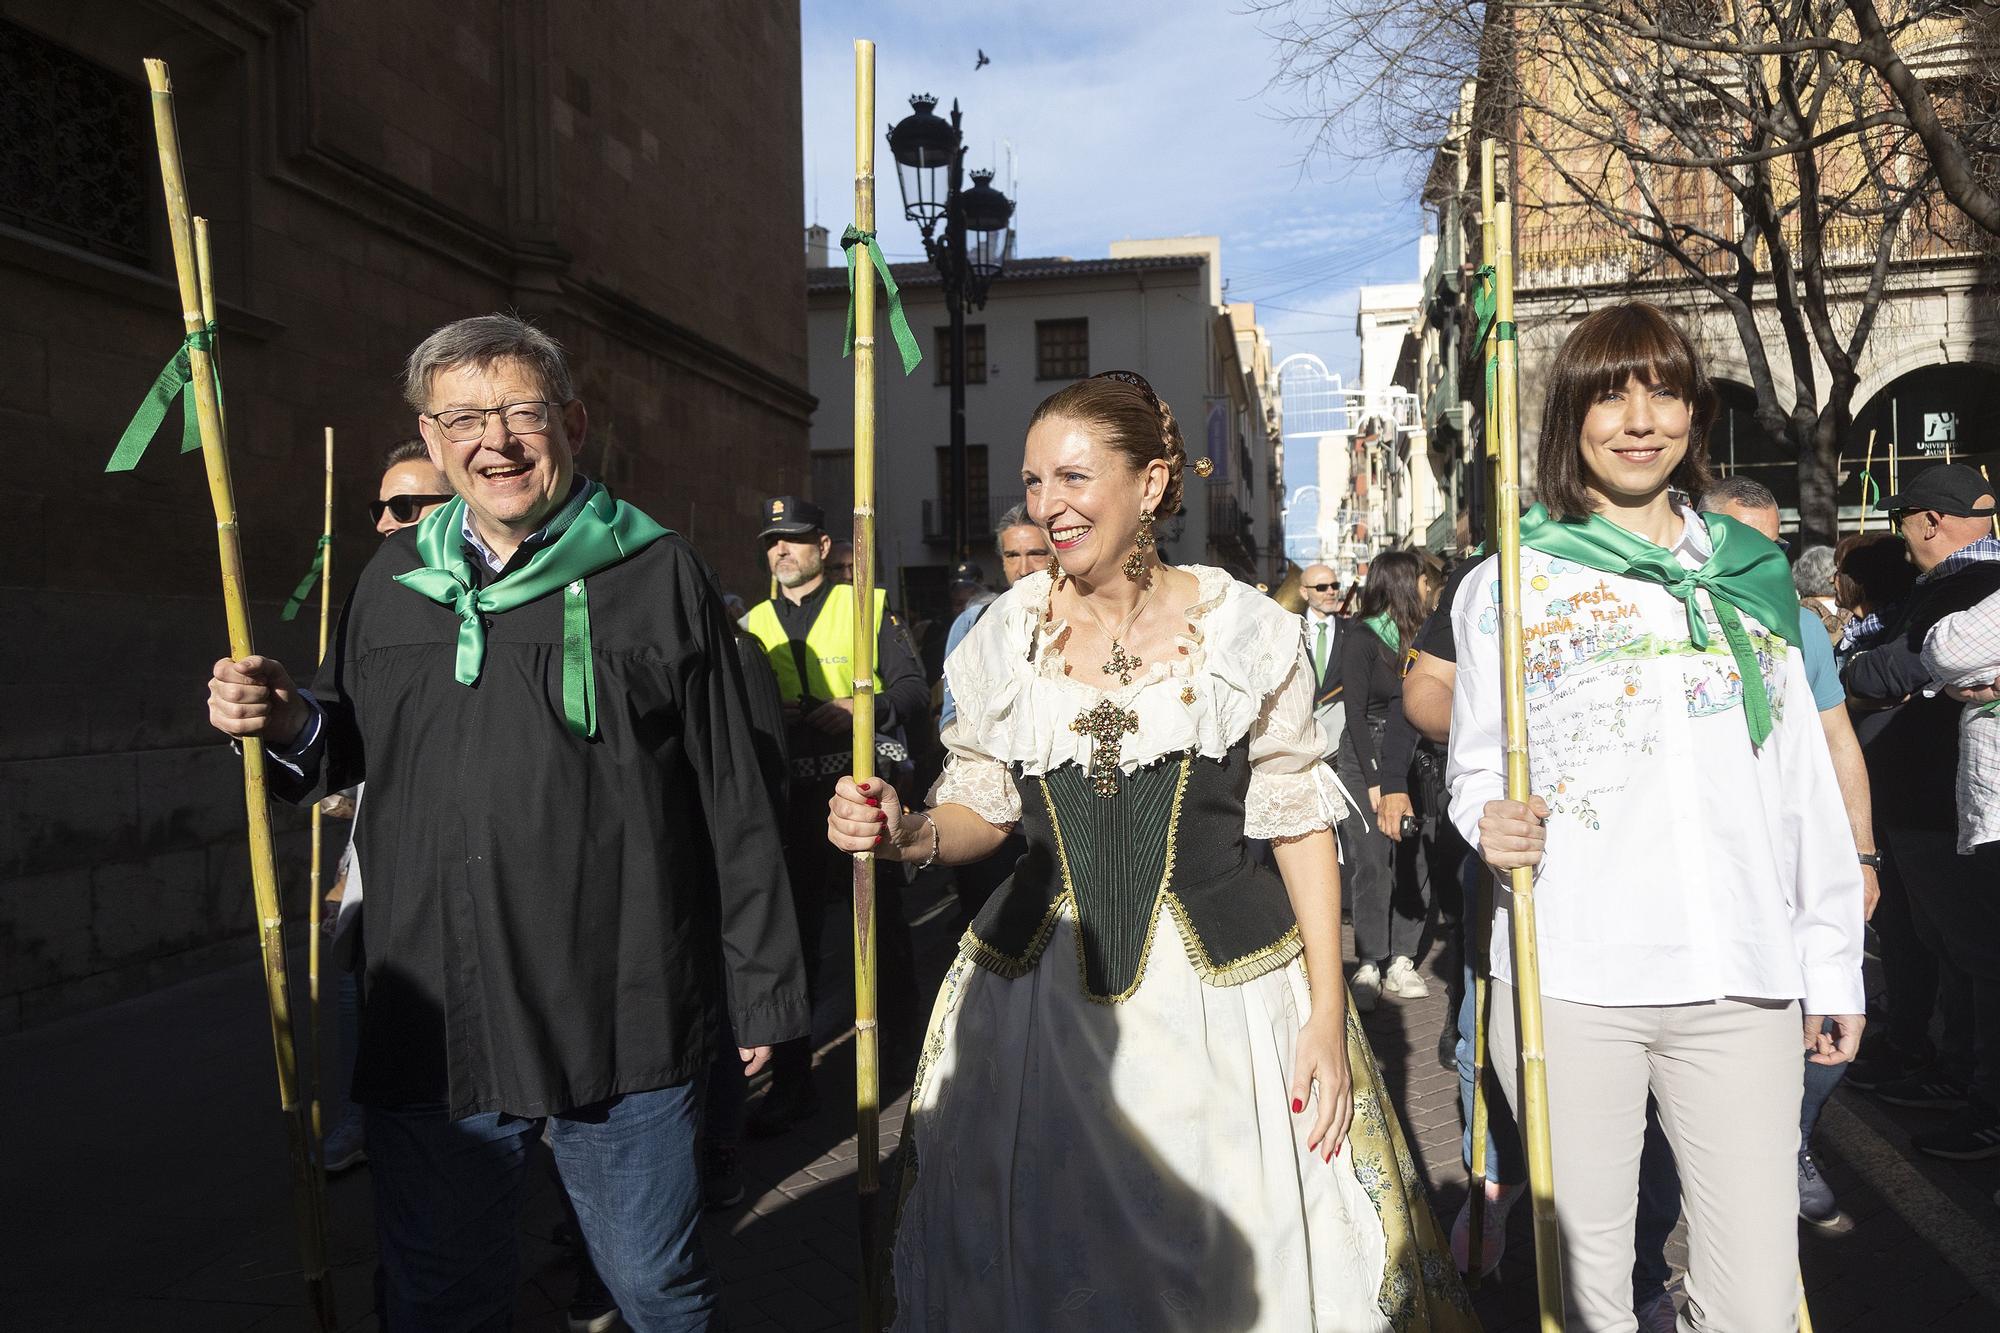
[466, 424]
[406, 508]
[1320, 587]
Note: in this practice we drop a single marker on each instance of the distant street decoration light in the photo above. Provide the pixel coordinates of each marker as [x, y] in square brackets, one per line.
[930, 160]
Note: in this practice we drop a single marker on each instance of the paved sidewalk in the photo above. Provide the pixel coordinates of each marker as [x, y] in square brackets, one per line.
[146, 1184]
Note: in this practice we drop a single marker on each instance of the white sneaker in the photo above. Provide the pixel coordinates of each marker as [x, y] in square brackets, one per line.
[1493, 1237]
[1366, 987]
[1403, 982]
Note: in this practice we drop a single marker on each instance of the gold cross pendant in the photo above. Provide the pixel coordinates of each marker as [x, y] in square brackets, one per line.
[1105, 724]
[1121, 663]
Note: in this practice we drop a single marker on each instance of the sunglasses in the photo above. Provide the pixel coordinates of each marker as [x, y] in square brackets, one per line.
[1321, 587]
[406, 508]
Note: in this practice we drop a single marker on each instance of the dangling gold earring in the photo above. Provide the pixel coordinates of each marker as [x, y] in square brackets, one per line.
[1142, 546]
[1056, 571]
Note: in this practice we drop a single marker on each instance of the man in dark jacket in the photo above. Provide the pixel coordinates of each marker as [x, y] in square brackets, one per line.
[1910, 740]
[574, 867]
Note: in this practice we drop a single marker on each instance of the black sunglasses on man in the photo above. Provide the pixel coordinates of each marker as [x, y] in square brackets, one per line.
[406, 508]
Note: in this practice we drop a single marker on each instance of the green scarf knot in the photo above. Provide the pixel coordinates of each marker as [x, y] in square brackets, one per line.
[1744, 572]
[899, 324]
[171, 383]
[304, 590]
[589, 534]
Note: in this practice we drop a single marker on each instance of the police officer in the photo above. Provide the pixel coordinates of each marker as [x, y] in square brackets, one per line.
[807, 632]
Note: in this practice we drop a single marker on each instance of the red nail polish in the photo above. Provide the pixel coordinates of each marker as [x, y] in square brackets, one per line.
[1297, 1106]
[882, 816]
[1329, 1156]
[1336, 1150]
[871, 800]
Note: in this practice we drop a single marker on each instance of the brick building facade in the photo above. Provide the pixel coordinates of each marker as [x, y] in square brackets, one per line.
[625, 173]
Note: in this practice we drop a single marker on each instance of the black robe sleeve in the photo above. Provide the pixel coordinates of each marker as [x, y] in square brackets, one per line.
[762, 963]
[767, 717]
[336, 760]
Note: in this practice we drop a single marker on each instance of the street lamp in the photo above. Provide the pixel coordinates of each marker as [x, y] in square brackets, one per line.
[930, 159]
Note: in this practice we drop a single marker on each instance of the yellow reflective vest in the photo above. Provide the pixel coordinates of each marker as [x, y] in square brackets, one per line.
[826, 657]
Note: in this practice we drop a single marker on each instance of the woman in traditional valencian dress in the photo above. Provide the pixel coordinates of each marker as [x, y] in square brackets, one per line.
[1142, 1104]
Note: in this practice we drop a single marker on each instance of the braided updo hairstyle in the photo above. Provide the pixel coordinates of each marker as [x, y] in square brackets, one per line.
[1122, 410]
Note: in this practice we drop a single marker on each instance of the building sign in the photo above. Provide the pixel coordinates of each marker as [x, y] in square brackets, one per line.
[1940, 432]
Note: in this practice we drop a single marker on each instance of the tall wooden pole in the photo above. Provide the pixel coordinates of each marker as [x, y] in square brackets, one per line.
[1513, 674]
[1868, 481]
[307, 1202]
[867, 1047]
[315, 904]
[1480, 923]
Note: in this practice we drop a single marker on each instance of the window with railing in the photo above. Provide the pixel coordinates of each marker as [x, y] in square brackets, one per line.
[73, 148]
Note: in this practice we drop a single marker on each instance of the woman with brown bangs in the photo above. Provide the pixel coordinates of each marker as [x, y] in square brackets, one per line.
[1698, 905]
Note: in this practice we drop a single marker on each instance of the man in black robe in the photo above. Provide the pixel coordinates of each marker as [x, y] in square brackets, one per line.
[574, 866]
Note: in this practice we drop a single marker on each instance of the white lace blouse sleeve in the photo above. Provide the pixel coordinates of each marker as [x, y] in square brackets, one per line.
[972, 777]
[1292, 792]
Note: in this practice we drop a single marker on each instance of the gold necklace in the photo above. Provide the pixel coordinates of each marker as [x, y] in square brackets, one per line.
[1121, 663]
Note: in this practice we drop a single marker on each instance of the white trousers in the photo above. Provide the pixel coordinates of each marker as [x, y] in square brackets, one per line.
[1728, 1076]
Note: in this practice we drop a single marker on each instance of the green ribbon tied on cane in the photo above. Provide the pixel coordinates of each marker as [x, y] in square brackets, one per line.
[852, 240]
[304, 590]
[172, 382]
[1744, 572]
[1486, 307]
[589, 534]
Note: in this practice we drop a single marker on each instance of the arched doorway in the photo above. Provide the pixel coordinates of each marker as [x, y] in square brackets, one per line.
[1740, 447]
[1933, 414]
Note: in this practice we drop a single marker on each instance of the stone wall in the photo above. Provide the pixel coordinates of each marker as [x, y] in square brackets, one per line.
[625, 173]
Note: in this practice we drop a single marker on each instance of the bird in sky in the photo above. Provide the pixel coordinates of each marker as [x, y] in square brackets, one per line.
[983, 63]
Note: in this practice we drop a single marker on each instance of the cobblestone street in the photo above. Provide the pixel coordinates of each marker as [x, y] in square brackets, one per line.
[148, 1187]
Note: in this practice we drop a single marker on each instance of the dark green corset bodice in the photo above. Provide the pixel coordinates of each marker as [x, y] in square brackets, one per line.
[1171, 839]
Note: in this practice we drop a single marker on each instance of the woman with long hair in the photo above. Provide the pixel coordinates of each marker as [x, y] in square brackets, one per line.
[1389, 910]
[1132, 1110]
[1697, 894]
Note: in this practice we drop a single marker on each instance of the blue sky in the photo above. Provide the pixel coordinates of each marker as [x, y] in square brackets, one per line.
[1127, 119]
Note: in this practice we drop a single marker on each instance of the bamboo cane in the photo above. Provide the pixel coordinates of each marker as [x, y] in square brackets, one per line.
[314, 904]
[263, 865]
[867, 1091]
[1867, 480]
[1527, 965]
[1481, 923]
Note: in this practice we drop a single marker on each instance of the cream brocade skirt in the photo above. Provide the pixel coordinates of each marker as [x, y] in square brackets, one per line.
[1070, 1164]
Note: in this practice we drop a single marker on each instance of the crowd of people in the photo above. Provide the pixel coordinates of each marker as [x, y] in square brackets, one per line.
[604, 811]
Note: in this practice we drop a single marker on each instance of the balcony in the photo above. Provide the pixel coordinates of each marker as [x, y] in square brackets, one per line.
[1231, 536]
[980, 512]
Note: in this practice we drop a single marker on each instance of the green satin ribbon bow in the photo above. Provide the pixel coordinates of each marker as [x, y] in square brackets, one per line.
[1743, 572]
[171, 383]
[899, 325]
[304, 590]
[590, 533]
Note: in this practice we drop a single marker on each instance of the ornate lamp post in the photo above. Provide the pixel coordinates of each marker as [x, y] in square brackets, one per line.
[930, 160]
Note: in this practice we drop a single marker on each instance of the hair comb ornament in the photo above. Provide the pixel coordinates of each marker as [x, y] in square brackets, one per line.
[1202, 466]
[1131, 377]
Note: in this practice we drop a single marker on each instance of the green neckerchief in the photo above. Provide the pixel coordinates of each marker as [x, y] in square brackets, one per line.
[1385, 630]
[1743, 572]
[589, 534]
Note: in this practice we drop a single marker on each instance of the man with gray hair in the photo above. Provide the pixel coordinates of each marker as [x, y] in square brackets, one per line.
[1023, 548]
[1751, 503]
[574, 875]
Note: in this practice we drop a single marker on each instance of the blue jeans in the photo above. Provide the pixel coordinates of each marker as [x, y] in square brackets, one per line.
[447, 1204]
[1821, 1080]
[1659, 1210]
